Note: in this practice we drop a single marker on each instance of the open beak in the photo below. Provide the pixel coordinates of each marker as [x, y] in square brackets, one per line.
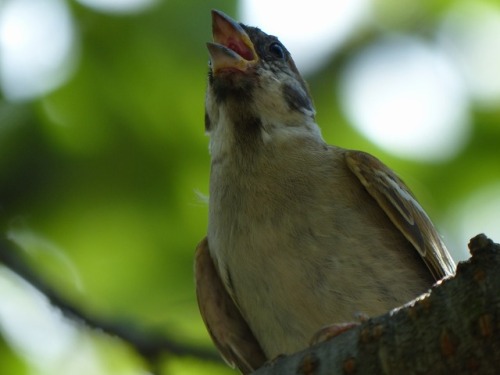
[232, 49]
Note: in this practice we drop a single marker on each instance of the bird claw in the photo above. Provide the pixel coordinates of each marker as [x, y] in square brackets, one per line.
[361, 316]
[271, 362]
[331, 331]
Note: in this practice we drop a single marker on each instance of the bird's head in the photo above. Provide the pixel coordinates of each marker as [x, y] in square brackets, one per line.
[255, 93]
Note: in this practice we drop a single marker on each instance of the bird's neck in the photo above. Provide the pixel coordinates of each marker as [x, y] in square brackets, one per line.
[242, 135]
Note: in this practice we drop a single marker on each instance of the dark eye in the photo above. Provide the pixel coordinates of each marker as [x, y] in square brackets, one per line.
[277, 51]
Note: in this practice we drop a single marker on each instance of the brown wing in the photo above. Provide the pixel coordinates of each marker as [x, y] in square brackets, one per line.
[229, 331]
[405, 212]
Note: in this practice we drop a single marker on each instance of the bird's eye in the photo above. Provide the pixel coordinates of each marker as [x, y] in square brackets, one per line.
[277, 51]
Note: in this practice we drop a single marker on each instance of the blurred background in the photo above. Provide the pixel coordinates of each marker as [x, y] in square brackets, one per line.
[104, 161]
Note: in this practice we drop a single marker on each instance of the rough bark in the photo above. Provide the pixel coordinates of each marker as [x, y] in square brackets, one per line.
[453, 329]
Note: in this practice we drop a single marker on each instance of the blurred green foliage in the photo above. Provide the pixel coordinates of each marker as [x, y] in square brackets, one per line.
[99, 178]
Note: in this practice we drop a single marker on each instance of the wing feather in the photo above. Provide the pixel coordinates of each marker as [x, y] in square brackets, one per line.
[397, 201]
[227, 327]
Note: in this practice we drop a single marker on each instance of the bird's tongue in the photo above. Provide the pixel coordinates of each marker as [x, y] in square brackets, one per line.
[232, 47]
[239, 47]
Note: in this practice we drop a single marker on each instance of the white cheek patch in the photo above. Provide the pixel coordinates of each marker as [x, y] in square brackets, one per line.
[280, 107]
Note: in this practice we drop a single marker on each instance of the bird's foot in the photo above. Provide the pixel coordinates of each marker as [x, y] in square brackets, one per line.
[273, 361]
[331, 331]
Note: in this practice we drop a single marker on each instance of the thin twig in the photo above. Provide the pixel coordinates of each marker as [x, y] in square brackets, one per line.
[149, 345]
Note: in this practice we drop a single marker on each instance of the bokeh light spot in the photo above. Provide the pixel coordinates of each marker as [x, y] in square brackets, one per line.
[311, 31]
[118, 6]
[406, 97]
[470, 34]
[37, 43]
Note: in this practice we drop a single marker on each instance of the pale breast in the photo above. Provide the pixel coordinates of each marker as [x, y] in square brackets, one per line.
[300, 244]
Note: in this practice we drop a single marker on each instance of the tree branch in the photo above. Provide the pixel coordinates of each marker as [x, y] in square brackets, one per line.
[149, 345]
[453, 329]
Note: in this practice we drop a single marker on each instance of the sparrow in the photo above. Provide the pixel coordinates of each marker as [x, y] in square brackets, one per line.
[301, 234]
